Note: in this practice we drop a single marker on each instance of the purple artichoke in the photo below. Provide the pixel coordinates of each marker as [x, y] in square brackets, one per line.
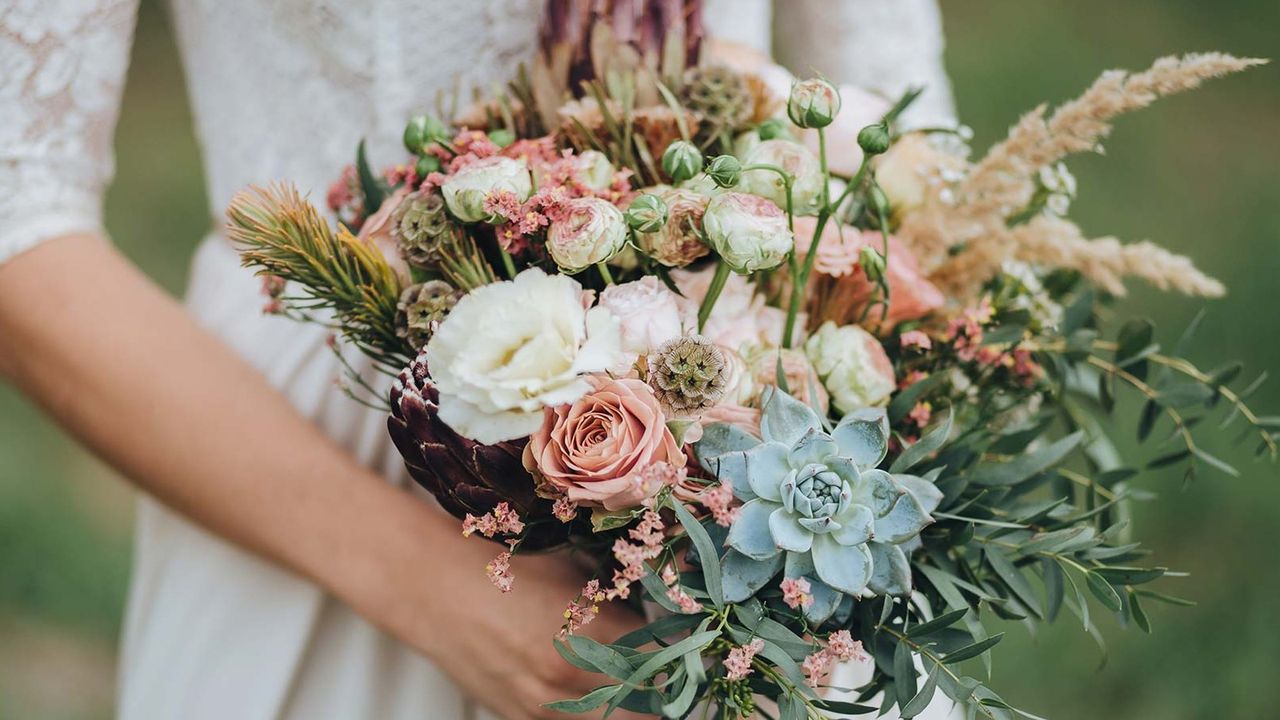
[463, 475]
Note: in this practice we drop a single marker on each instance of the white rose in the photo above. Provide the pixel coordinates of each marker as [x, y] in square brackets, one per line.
[852, 364]
[466, 190]
[594, 170]
[591, 231]
[796, 159]
[648, 313]
[749, 232]
[509, 349]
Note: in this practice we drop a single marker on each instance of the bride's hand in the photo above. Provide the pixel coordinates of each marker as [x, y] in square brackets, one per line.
[497, 646]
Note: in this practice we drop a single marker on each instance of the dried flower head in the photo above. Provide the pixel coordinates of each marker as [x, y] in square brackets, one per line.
[421, 308]
[687, 374]
[422, 228]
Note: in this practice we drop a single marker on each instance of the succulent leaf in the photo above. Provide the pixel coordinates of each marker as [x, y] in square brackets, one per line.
[925, 492]
[846, 568]
[786, 419]
[891, 572]
[857, 526]
[903, 522]
[788, 532]
[863, 436]
[877, 490]
[813, 447]
[743, 577]
[750, 533]
[765, 463]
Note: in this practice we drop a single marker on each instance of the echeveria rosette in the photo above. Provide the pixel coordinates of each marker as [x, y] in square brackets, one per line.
[815, 506]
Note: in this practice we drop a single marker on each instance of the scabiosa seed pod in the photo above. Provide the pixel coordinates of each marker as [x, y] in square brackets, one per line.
[681, 161]
[720, 95]
[421, 308]
[422, 227]
[813, 103]
[647, 213]
[688, 374]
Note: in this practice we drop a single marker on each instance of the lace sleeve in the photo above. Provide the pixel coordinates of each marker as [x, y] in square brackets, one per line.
[62, 68]
[884, 46]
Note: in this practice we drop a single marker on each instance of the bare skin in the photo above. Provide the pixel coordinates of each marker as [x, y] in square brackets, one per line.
[111, 357]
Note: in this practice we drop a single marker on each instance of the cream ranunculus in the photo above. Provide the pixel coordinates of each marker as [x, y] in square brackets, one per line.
[510, 349]
[794, 158]
[852, 365]
[591, 231]
[649, 314]
[679, 241]
[749, 232]
[466, 190]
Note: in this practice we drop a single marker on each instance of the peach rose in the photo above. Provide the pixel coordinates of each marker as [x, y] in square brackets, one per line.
[911, 295]
[597, 449]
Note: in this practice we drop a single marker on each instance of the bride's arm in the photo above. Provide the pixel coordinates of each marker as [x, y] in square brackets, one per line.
[884, 46]
[124, 369]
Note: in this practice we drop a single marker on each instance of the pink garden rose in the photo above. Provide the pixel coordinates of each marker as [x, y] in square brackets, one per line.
[911, 295]
[376, 232]
[597, 450]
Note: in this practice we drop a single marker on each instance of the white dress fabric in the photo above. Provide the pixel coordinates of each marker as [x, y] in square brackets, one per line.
[283, 89]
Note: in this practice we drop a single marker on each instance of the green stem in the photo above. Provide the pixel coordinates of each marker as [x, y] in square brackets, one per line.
[713, 293]
[604, 273]
[508, 263]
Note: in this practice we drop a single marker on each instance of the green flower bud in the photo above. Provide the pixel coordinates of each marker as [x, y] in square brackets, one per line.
[774, 129]
[681, 161]
[647, 213]
[423, 130]
[874, 139]
[502, 137]
[879, 201]
[872, 263]
[725, 171]
[426, 165]
[813, 103]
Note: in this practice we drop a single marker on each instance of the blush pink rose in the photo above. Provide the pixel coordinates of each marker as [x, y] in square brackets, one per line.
[911, 295]
[648, 313]
[376, 232]
[597, 449]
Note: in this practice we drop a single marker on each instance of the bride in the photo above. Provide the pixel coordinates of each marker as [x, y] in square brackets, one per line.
[280, 569]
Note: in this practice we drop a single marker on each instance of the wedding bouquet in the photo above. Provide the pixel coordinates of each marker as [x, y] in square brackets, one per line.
[822, 389]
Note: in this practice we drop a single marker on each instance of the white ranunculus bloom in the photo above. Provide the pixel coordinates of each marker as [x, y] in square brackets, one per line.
[806, 189]
[852, 364]
[510, 349]
[648, 313]
[749, 232]
[591, 231]
[594, 170]
[466, 190]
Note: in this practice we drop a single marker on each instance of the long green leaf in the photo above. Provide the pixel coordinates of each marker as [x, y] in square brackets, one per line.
[708, 558]
[1025, 466]
[922, 449]
[972, 651]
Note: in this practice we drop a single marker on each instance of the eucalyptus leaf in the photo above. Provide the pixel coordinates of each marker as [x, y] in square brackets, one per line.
[1103, 590]
[586, 703]
[707, 555]
[1025, 466]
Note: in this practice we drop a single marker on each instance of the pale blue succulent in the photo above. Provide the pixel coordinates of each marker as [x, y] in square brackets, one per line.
[815, 506]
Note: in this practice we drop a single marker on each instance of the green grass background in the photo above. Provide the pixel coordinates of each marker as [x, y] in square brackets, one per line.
[1197, 173]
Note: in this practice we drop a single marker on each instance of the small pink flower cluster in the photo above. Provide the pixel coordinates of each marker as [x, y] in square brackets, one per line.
[501, 520]
[676, 594]
[915, 339]
[344, 198]
[718, 500]
[964, 332]
[738, 665]
[584, 609]
[564, 509]
[840, 647]
[499, 571]
[633, 555]
[921, 413]
[795, 593]
[272, 288]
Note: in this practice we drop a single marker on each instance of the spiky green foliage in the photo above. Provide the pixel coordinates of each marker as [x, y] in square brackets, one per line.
[282, 235]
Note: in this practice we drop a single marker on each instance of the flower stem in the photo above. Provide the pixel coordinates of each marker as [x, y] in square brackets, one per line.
[713, 293]
[508, 263]
[604, 273]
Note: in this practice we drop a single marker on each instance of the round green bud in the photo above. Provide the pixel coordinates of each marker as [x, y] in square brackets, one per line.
[426, 165]
[725, 171]
[681, 161]
[647, 213]
[502, 137]
[874, 139]
[872, 263]
[421, 131]
[774, 129]
[813, 103]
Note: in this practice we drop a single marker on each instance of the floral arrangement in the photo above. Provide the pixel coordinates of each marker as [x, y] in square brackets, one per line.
[822, 389]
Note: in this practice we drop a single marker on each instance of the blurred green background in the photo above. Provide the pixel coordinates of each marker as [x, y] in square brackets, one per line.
[1196, 173]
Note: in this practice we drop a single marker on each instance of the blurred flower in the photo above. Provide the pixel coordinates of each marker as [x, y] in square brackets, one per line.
[466, 190]
[377, 233]
[678, 241]
[853, 366]
[648, 314]
[532, 333]
[911, 168]
[802, 380]
[793, 158]
[594, 170]
[915, 339]
[588, 231]
[749, 232]
[596, 449]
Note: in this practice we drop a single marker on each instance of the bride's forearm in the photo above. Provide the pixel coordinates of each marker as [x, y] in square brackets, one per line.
[123, 368]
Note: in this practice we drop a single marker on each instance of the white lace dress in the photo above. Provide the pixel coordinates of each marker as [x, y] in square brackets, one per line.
[282, 89]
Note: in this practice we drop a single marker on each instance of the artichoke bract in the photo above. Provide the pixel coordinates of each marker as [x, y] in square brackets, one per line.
[465, 476]
[815, 506]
